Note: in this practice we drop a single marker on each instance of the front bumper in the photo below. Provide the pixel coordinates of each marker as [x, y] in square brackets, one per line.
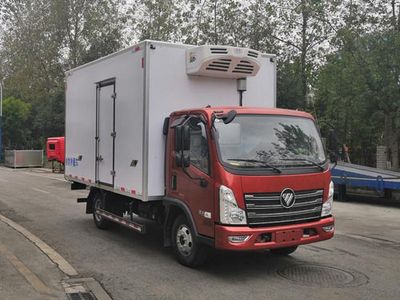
[280, 236]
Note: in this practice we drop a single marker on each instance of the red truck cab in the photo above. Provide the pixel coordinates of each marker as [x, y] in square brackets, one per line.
[252, 178]
[55, 149]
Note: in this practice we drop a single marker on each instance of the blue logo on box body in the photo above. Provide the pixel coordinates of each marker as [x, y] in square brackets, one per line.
[71, 161]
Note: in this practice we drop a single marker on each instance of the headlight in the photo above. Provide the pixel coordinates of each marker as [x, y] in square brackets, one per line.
[229, 212]
[327, 206]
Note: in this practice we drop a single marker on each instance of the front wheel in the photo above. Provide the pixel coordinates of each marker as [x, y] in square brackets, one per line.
[188, 250]
[99, 202]
[284, 251]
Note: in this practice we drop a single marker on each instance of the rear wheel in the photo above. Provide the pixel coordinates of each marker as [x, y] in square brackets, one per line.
[99, 202]
[188, 250]
[284, 251]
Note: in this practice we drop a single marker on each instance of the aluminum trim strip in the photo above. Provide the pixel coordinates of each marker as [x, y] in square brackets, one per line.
[253, 215]
[251, 206]
[285, 221]
[299, 195]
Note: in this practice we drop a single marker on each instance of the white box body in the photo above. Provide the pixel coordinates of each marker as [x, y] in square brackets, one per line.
[116, 106]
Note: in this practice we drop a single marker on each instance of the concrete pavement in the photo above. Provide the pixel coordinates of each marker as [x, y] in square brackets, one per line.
[26, 272]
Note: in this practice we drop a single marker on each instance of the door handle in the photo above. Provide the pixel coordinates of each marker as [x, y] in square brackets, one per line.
[203, 183]
[100, 158]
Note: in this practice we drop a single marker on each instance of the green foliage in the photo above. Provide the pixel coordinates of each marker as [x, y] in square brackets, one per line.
[41, 40]
[15, 123]
[290, 90]
[48, 118]
[359, 93]
[156, 20]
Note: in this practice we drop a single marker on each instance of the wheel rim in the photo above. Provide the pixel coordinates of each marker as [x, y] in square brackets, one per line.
[97, 205]
[184, 240]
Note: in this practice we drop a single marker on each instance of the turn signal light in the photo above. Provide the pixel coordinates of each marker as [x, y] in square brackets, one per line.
[328, 228]
[238, 238]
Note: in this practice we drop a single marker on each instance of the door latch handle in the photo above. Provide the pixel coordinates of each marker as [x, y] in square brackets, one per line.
[203, 183]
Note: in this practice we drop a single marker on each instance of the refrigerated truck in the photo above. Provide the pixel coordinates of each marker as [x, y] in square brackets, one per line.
[189, 137]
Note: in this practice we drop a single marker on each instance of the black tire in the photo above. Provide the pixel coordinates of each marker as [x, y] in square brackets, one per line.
[99, 201]
[189, 252]
[284, 251]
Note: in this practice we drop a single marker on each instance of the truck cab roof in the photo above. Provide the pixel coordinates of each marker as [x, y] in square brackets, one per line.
[208, 111]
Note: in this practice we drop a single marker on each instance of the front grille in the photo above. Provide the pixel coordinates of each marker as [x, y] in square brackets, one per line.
[266, 208]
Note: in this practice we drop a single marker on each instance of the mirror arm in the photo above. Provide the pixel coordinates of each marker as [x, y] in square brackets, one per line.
[203, 182]
[190, 176]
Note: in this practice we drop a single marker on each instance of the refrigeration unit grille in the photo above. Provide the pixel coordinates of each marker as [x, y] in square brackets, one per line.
[252, 54]
[222, 65]
[244, 67]
[217, 50]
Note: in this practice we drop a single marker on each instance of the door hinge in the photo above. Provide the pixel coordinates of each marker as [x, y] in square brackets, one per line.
[114, 95]
[113, 134]
[99, 158]
[112, 173]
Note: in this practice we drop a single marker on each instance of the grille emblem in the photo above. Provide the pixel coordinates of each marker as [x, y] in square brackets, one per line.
[287, 198]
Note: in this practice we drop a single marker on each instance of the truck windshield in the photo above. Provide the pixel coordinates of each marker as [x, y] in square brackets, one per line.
[271, 142]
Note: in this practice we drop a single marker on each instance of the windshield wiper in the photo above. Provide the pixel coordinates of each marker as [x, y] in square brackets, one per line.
[306, 160]
[262, 163]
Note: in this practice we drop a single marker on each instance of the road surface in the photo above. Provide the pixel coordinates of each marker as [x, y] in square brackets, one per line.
[360, 262]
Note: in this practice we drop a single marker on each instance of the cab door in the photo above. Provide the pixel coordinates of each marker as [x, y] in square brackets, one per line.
[194, 184]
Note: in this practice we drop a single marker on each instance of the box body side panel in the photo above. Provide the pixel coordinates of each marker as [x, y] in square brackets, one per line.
[129, 125]
[80, 125]
[127, 70]
[261, 89]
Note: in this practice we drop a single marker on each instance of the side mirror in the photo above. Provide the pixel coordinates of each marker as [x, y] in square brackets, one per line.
[186, 138]
[182, 138]
[178, 159]
[186, 159]
[182, 159]
[182, 146]
[229, 116]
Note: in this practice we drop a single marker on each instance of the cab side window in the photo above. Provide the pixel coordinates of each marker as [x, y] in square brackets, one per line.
[198, 145]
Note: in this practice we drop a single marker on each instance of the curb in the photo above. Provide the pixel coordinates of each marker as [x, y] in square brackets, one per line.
[84, 288]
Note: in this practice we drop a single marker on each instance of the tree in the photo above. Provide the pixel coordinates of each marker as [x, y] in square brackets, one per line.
[89, 29]
[303, 31]
[359, 94]
[16, 132]
[358, 89]
[155, 20]
[48, 118]
[42, 40]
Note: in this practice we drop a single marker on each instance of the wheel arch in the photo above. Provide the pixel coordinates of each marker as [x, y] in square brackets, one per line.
[90, 198]
[174, 208]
